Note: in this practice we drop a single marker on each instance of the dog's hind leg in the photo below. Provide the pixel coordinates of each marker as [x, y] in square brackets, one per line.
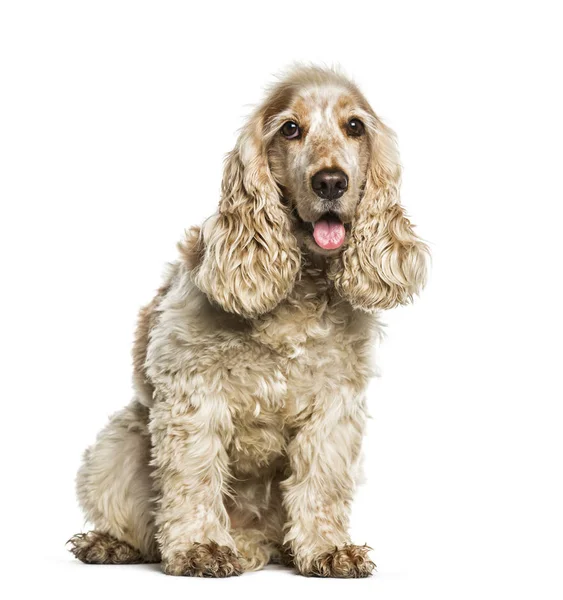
[114, 488]
[100, 548]
[255, 550]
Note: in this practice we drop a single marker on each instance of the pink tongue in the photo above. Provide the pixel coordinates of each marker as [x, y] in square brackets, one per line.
[329, 234]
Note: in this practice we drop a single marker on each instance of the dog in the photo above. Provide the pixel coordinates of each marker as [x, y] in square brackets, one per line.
[242, 442]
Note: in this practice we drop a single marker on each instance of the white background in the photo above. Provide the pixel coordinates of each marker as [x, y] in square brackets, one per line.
[114, 119]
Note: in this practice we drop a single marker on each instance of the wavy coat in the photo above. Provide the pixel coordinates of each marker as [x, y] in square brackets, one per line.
[242, 442]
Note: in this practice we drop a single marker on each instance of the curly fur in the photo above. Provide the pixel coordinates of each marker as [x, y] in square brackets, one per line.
[251, 257]
[384, 264]
[242, 443]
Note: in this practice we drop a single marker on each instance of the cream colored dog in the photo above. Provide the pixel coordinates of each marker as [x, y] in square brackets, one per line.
[241, 444]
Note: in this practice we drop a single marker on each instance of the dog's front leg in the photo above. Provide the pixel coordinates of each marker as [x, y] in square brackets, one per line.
[323, 457]
[190, 432]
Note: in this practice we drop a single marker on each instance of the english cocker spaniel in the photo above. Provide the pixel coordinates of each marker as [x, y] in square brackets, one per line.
[241, 444]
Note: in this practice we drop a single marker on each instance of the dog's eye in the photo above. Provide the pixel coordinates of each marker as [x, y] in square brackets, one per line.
[355, 127]
[290, 130]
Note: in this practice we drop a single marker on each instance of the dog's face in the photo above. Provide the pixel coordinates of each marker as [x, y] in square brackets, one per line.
[314, 171]
[319, 157]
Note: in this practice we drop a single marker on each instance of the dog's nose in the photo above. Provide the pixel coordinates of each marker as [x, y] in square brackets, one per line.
[329, 184]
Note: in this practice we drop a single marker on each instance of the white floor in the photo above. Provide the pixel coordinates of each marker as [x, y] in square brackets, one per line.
[68, 578]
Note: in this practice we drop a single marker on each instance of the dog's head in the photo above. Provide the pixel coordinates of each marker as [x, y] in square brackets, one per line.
[314, 170]
[319, 153]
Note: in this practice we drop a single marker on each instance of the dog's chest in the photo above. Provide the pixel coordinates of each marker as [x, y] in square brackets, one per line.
[306, 353]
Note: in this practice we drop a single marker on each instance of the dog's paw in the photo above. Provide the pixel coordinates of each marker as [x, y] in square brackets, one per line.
[345, 562]
[100, 548]
[203, 560]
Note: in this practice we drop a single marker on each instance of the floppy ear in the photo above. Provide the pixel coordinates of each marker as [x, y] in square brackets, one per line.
[248, 256]
[385, 262]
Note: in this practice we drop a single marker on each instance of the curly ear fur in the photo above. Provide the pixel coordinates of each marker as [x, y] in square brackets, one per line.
[250, 257]
[385, 262]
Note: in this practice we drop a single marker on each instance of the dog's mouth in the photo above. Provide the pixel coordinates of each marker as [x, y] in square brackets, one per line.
[328, 232]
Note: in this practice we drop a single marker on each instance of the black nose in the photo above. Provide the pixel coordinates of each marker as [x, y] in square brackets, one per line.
[329, 184]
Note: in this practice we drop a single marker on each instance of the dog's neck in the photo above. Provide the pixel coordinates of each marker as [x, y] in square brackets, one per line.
[313, 260]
